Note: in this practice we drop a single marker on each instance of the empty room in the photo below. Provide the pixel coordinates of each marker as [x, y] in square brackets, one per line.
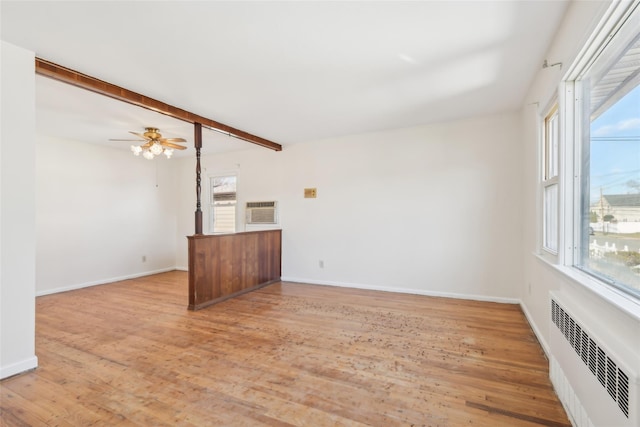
[320, 213]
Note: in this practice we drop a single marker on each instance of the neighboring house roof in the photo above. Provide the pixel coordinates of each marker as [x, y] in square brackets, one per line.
[619, 200]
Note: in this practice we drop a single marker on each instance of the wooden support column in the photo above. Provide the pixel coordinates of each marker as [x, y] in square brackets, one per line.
[197, 141]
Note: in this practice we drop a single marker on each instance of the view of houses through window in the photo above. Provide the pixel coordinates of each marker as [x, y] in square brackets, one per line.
[223, 204]
[611, 168]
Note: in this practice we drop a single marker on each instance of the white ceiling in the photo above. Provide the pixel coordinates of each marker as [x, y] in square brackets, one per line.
[286, 71]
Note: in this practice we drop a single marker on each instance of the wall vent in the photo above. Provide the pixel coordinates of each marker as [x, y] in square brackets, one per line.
[262, 213]
[613, 379]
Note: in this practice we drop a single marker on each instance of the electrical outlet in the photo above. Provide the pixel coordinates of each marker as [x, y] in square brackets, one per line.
[321, 264]
[144, 258]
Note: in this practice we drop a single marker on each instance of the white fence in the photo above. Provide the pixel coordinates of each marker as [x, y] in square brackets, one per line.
[596, 251]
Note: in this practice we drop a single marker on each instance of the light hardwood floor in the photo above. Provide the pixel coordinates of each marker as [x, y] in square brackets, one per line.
[129, 353]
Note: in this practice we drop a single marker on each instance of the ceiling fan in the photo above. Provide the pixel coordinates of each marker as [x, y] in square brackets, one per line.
[154, 144]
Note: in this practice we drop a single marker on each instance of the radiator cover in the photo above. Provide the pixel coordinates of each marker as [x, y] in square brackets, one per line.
[596, 384]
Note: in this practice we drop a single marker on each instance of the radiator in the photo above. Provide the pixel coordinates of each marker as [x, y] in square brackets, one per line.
[594, 375]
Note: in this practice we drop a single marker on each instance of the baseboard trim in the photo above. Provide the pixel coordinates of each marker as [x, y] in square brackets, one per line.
[404, 290]
[317, 282]
[102, 282]
[536, 331]
[18, 368]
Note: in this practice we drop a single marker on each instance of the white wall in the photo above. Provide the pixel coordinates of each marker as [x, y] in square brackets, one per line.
[99, 211]
[618, 329]
[17, 211]
[431, 209]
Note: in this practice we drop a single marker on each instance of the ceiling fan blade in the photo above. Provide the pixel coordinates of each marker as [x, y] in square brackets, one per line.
[147, 145]
[173, 140]
[146, 138]
[171, 145]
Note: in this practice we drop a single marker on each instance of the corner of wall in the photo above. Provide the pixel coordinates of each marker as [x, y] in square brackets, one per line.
[17, 211]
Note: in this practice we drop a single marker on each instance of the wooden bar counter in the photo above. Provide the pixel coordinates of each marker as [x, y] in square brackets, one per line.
[222, 266]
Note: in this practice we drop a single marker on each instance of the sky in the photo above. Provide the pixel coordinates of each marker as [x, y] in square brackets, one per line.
[615, 148]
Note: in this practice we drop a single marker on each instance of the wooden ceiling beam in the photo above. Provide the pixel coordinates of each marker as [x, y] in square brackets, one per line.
[66, 75]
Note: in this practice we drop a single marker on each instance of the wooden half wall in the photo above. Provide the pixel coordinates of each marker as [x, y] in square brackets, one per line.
[222, 266]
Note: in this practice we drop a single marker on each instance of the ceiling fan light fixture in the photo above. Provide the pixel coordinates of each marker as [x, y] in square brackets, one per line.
[156, 148]
[154, 144]
[136, 150]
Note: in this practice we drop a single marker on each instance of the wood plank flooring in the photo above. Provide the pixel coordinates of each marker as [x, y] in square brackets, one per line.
[131, 354]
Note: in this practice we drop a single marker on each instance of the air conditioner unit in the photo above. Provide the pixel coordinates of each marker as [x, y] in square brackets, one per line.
[262, 213]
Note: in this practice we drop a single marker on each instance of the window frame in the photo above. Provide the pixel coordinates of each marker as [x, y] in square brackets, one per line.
[212, 209]
[571, 210]
[550, 176]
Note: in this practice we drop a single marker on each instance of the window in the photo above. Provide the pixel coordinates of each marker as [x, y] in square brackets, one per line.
[607, 117]
[551, 136]
[223, 204]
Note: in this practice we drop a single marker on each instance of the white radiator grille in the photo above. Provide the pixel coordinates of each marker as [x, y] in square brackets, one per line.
[610, 376]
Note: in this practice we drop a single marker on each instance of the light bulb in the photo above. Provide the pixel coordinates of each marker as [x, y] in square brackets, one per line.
[156, 148]
[136, 150]
[168, 152]
[147, 155]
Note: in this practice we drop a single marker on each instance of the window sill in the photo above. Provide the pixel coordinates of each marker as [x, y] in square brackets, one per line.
[623, 302]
